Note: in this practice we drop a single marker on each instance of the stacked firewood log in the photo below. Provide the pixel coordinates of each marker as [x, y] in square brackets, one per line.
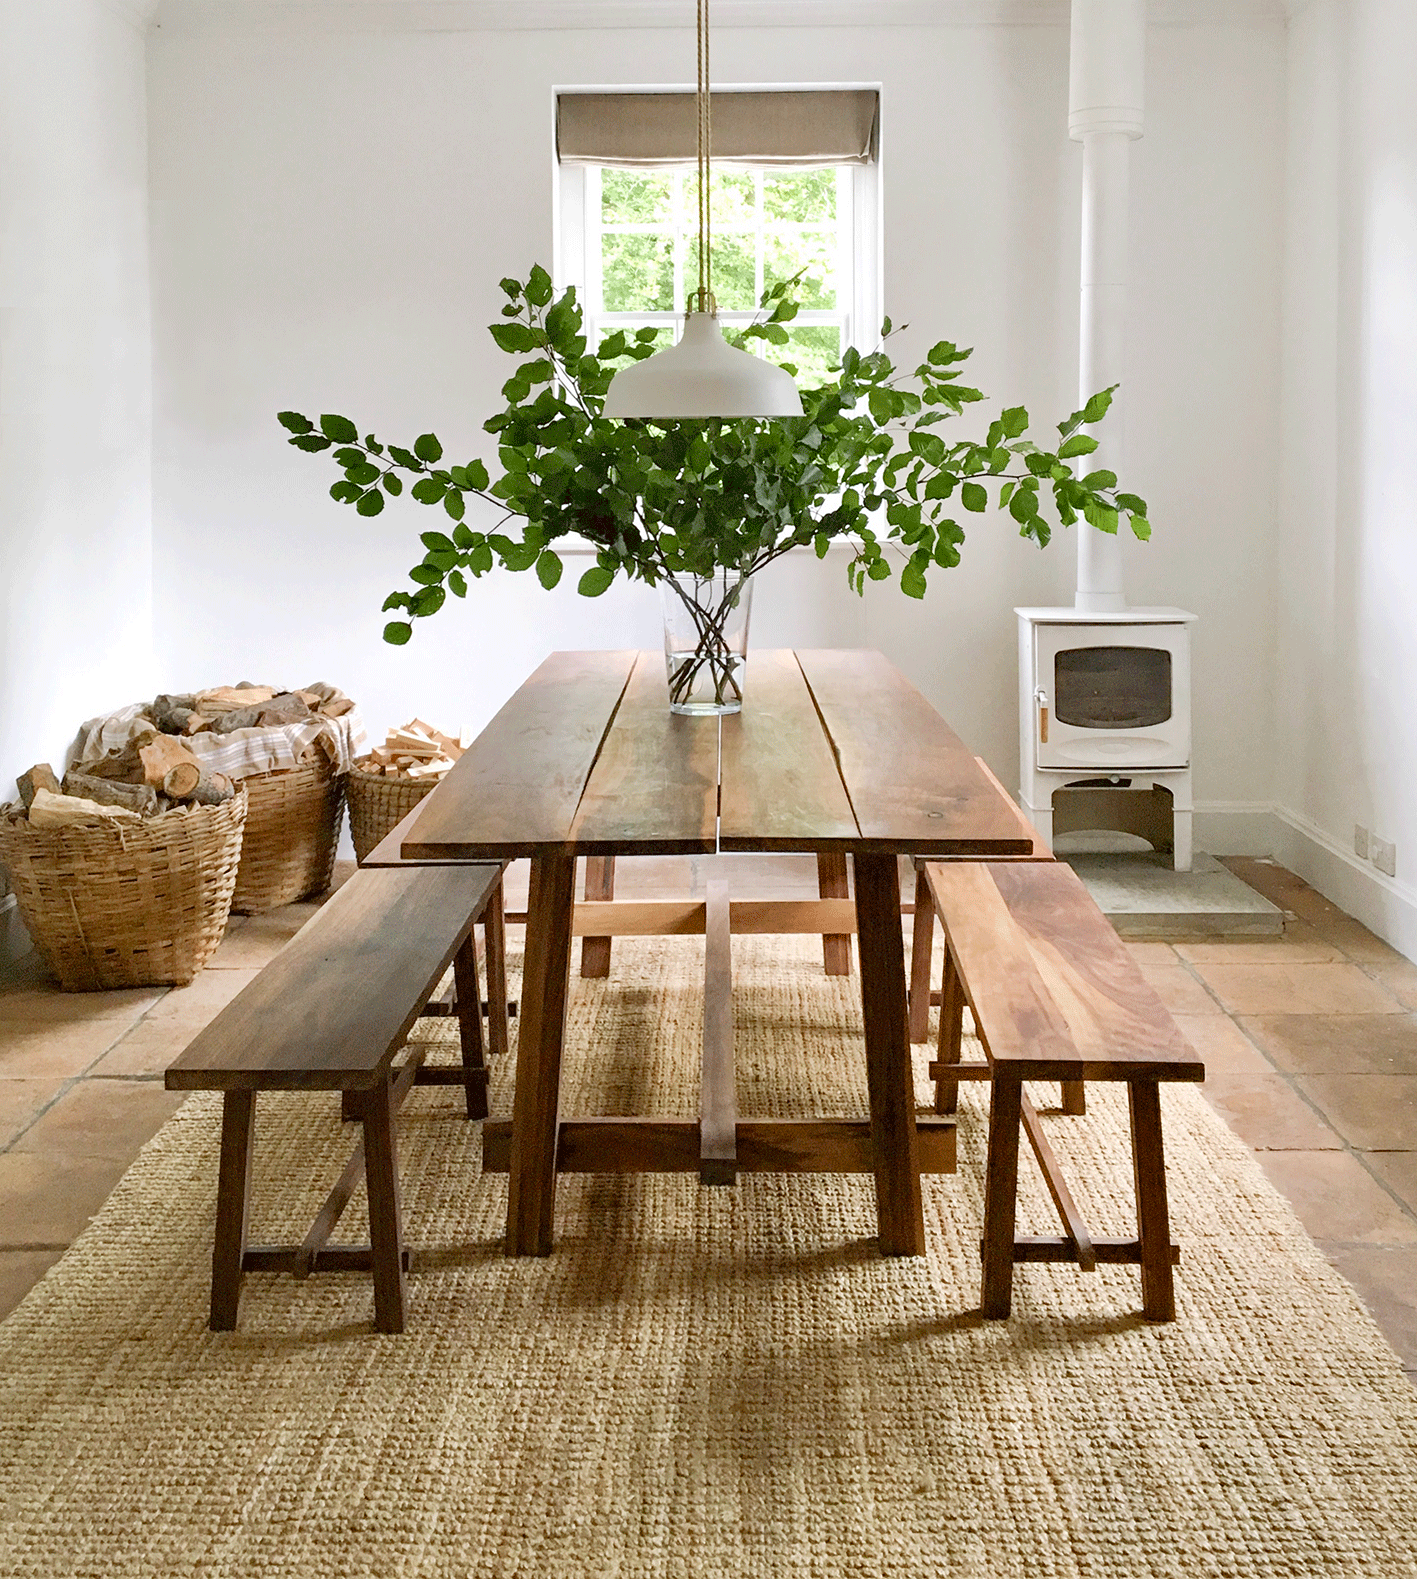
[154, 770]
[416, 751]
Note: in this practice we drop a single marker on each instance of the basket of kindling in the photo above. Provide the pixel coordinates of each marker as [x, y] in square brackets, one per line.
[290, 751]
[119, 893]
[384, 786]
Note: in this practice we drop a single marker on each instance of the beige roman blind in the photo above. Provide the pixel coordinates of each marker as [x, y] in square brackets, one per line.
[787, 128]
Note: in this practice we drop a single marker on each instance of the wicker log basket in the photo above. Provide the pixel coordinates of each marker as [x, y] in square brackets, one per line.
[292, 831]
[378, 804]
[139, 904]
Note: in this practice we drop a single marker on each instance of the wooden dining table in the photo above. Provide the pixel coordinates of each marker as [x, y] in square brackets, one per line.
[834, 753]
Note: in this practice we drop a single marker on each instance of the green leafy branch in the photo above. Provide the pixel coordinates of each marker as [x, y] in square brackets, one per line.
[671, 498]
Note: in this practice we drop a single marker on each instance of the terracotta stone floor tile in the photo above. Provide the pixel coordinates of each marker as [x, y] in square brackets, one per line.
[1332, 1044]
[1222, 1046]
[20, 1270]
[147, 1049]
[1288, 950]
[1179, 990]
[20, 1100]
[54, 1048]
[48, 1200]
[28, 1004]
[247, 945]
[1397, 1170]
[196, 1004]
[1267, 1114]
[1296, 989]
[1385, 1279]
[1355, 939]
[1336, 1198]
[1152, 953]
[101, 1118]
[1399, 976]
[1371, 1112]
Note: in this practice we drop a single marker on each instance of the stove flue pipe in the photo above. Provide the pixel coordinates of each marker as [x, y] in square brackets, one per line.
[1105, 105]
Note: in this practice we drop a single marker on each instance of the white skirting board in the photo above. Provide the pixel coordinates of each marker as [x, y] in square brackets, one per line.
[1385, 905]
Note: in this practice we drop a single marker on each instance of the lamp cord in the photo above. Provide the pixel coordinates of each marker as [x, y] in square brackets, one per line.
[705, 140]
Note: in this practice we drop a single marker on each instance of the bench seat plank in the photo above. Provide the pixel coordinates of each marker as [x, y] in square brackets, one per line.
[330, 1009]
[1053, 988]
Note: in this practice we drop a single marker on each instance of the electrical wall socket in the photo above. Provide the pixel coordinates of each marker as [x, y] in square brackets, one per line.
[1385, 857]
[1360, 841]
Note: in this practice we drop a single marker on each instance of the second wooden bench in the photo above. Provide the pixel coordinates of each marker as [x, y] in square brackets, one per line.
[1055, 996]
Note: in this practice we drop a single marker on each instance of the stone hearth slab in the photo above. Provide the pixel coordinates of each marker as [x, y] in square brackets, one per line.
[1143, 898]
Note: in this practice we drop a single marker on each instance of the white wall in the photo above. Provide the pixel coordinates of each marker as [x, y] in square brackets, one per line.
[332, 210]
[1347, 544]
[75, 374]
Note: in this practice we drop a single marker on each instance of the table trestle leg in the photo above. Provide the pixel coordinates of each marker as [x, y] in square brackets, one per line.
[494, 933]
[469, 1012]
[922, 942]
[718, 1099]
[233, 1191]
[542, 1016]
[951, 1042]
[890, 1080]
[832, 883]
[599, 884]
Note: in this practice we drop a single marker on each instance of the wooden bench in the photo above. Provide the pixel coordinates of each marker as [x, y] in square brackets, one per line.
[329, 1013]
[1055, 996]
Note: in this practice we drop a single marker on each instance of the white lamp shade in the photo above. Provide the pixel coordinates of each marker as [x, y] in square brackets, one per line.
[702, 376]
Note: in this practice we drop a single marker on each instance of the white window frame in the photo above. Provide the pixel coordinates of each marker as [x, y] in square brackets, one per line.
[858, 192]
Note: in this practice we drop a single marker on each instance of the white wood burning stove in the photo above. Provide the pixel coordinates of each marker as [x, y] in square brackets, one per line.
[1104, 690]
[1105, 702]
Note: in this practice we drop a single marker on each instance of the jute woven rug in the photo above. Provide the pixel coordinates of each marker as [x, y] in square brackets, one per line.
[701, 1382]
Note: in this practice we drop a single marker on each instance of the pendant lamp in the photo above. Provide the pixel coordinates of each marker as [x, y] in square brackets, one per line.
[703, 376]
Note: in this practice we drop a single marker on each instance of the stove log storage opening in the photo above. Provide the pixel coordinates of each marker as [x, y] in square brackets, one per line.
[1105, 715]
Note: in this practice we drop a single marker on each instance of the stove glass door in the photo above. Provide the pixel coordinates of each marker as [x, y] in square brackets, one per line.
[1112, 687]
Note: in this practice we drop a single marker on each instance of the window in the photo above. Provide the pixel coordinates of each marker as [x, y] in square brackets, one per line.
[627, 239]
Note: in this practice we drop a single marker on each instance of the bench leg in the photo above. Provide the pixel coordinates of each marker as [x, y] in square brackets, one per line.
[922, 940]
[1001, 1195]
[951, 1034]
[832, 884]
[381, 1176]
[1153, 1219]
[238, 1120]
[469, 1003]
[895, 1143]
[494, 931]
[599, 884]
[1074, 1097]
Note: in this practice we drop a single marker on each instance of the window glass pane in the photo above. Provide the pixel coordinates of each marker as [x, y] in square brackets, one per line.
[804, 196]
[632, 197]
[637, 272]
[734, 270]
[734, 200]
[815, 349]
[663, 339]
[787, 251]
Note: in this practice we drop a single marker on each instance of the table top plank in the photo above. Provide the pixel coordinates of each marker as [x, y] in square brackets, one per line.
[781, 789]
[914, 786]
[517, 788]
[655, 782]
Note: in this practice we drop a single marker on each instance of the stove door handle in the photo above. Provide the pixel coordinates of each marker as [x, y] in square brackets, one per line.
[1041, 697]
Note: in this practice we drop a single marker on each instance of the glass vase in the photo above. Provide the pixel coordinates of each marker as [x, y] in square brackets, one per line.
[706, 641]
